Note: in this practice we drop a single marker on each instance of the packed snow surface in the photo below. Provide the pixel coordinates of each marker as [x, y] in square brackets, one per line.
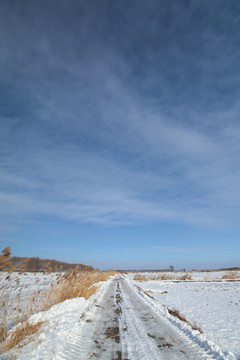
[128, 319]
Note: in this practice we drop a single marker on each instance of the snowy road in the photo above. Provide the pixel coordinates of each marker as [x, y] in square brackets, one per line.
[128, 319]
[126, 324]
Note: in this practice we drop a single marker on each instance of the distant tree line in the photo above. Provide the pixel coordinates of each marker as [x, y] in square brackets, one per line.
[34, 264]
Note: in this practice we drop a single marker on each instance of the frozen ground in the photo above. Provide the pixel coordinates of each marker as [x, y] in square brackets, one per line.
[128, 319]
[214, 306]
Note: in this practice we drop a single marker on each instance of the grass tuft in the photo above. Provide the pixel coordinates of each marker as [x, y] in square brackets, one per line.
[20, 333]
[176, 313]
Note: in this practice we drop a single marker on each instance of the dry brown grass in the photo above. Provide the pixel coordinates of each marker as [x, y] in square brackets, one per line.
[140, 277]
[5, 258]
[16, 312]
[147, 277]
[177, 314]
[79, 284]
[72, 284]
[166, 277]
[230, 275]
[162, 277]
[186, 277]
[19, 334]
[5, 296]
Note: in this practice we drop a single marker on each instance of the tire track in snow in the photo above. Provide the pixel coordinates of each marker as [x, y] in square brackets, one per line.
[96, 336]
[146, 321]
[124, 324]
[146, 338]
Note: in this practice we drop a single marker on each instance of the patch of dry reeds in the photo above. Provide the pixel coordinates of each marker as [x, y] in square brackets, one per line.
[5, 259]
[230, 275]
[74, 283]
[186, 277]
[79, 284]
[5, 296]
[14, 315]
[177, 314]
[148, 277]
[20, 333]
[140, 277]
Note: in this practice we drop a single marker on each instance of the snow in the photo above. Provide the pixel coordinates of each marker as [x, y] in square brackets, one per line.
[196, 275]
[19, 289]
[25, 284]
[60, 324]
[77, 326]
[213, 306]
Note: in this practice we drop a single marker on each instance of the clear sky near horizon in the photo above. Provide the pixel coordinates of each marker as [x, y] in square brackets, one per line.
[120, 132]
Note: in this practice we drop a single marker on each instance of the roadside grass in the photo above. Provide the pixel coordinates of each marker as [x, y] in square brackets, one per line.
[176, 313]
[79, 284]
[15, 312]
[14, 327]
[70, 285]
[24, 331]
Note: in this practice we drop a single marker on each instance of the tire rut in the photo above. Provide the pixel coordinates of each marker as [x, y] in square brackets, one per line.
[106, 333]
[96, 336]
[122, 325]
[147, 335]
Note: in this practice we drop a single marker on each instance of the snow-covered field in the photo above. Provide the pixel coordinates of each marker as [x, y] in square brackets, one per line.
[128, 319]
[214, 306]
[195, 275]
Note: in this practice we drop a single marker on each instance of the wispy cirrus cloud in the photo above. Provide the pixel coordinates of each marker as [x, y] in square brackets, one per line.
[93, 136]
[176, 174]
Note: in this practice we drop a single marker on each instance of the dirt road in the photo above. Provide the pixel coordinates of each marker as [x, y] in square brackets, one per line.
[124, 324]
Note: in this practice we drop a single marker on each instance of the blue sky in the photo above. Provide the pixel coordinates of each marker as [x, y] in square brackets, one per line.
[120, 132]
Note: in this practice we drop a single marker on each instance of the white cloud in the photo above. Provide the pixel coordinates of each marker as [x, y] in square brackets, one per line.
[95, 150]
